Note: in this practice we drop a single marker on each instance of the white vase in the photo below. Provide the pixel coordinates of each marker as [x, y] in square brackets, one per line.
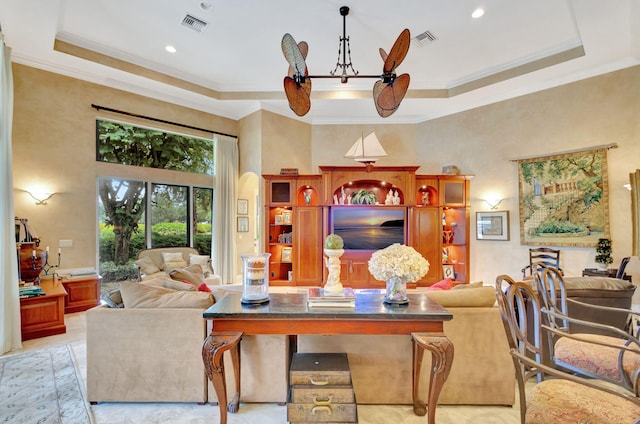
[396, 291]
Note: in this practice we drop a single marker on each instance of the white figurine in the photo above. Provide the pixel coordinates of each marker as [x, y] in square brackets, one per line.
[389, 199]
[396, 198]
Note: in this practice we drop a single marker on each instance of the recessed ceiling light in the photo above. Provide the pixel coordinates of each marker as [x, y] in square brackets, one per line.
[477, 13]
[170, 48]
[206, 6]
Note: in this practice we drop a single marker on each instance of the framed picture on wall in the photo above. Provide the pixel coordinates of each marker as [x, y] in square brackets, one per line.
[492, 225]
[243, 224]
[243, 207]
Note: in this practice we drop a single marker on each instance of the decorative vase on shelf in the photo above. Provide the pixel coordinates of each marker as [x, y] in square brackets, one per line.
[396, 291]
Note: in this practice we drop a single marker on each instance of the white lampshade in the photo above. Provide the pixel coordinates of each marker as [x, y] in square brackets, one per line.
[366, 150]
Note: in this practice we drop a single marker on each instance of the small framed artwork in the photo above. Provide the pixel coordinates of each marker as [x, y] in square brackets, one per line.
[243, 207]
[286, 217]
[448, 272]
[286, 254]
[243, 224]
[277, 219]
[492, 225]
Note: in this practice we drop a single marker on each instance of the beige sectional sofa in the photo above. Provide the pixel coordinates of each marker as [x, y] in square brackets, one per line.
[154, 355]
[151, 262]
[482, 371]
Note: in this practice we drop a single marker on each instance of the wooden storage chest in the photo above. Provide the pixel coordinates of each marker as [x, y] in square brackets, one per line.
[321, 389]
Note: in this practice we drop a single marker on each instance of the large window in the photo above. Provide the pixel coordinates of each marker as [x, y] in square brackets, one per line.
[129, 221]
[137, 214]
[126, 144]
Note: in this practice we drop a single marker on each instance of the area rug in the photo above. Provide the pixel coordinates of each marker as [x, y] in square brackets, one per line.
[43, 386]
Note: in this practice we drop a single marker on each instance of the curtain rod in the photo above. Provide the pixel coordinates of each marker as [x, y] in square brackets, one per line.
[122, 112]
[602, 146]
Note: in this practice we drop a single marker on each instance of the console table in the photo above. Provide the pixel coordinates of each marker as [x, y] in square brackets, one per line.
[43, 316]
[288, 314]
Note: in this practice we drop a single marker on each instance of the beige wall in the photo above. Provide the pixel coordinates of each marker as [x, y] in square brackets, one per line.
[54, 145]
[54, 135]
[483, 141]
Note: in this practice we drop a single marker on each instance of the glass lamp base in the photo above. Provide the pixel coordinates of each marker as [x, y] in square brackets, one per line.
[254, 301]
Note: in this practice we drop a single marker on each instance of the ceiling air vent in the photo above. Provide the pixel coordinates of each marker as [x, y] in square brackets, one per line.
[194, 23]
[425, 38]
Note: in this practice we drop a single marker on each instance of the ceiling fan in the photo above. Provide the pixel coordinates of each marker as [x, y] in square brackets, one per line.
[388, 91]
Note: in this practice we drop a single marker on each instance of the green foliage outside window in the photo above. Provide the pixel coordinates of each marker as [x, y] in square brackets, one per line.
[137, 146]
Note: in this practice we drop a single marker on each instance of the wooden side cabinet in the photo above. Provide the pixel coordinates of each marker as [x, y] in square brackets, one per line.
[43, 316]
[82, 293]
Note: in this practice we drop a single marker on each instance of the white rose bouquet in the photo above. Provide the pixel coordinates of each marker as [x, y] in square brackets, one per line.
[399, 262]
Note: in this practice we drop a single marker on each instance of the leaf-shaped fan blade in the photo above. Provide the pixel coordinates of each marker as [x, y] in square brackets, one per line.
[398, 51]
[293, 54]
[304, 49]
[383, 54]
[388, 97]
[299, 100]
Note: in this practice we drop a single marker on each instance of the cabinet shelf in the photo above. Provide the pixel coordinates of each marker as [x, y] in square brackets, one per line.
[281, 244]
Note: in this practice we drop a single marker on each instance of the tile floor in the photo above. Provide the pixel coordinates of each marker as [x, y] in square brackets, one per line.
[160, 413]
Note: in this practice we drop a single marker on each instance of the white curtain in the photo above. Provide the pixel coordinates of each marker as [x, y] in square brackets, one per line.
[9, 300]
[223, 244]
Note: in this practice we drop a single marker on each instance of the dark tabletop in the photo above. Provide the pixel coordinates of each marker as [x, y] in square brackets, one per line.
[369, 305]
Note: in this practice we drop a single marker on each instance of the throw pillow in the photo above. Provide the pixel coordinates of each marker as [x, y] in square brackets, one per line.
[202, 260]
[178, 285]
[172, 257]
[204, 288]
[445, 284]
[137, 295]
[167, 266]
[191, 274]
[147, 266]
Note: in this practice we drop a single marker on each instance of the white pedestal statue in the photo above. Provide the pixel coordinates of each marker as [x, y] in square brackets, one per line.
[332, 261]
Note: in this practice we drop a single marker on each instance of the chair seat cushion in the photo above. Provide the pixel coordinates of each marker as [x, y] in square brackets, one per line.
[563, 401]
[595, 359]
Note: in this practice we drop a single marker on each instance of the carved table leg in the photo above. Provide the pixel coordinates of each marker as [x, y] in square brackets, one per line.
[212, 355]
[441, 359]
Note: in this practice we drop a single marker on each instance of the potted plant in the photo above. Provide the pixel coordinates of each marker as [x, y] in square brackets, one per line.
[603, 252]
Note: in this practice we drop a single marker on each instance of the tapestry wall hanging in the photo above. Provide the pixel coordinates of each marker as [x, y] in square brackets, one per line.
[564, 199]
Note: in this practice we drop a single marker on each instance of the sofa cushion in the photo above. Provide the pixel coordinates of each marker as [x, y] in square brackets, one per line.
[136, 295]
[191, 274]
[167, 266]
[147, 266]
[202, 260]
[177, 285]
[474, 285]
[476, 297]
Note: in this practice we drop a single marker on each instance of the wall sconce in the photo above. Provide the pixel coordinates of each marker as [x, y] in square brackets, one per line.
[40, 197]
[493, 202]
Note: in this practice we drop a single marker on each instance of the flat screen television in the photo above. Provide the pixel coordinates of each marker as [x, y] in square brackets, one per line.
[369, 227]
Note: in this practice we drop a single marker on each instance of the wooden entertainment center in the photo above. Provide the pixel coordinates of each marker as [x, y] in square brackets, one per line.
[301, 211]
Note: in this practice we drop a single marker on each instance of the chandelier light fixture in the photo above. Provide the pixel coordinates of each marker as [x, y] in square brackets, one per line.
[388, 91]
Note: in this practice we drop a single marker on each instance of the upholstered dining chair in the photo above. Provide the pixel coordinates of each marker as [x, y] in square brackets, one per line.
[612, 354]
[558, 397]
[541, 256]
